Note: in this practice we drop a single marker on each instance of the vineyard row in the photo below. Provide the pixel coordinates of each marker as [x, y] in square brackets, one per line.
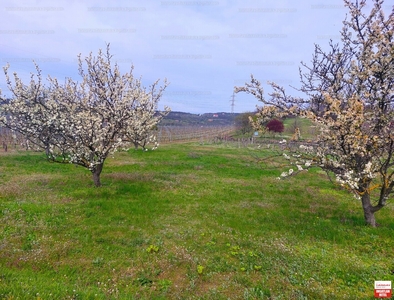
[168, 134]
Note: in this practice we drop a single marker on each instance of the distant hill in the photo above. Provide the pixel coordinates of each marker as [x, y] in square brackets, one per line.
[176, 118]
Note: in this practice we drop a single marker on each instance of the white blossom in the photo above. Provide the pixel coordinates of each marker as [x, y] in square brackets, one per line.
[83, 123]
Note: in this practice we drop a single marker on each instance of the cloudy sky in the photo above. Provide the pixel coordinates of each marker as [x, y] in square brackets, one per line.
[204, 48]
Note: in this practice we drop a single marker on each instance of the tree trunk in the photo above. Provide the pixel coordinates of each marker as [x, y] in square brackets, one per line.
[47, 152]
[368, 210]
[96, 174]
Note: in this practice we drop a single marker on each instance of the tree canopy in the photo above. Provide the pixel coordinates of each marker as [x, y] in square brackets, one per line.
[84, 122]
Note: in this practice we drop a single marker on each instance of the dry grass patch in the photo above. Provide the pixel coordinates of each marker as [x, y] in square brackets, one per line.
[251, 205]
[123, 160]
[132, 177]
[21, 186]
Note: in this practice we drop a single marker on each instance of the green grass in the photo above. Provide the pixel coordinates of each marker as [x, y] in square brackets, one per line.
[185, 221]
[307, 128]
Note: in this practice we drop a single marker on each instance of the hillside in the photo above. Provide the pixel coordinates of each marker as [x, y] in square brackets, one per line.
[176, 118]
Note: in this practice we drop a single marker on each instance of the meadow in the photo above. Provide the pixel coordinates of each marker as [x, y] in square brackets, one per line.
[186, 221]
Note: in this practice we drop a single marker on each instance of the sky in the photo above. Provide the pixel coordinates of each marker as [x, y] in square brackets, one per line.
[203, 48]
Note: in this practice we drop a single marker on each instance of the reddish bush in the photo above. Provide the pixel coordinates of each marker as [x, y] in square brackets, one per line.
[275, 126]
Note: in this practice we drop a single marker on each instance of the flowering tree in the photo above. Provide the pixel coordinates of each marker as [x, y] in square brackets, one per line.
[350, 94]
[32, 113]
[83, 123]
[140, 131]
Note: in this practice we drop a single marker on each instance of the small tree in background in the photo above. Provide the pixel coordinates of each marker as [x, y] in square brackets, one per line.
[242, 122]
[275, 126]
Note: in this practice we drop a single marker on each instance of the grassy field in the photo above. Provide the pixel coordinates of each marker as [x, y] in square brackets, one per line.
[308, 131]
[185, 221]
